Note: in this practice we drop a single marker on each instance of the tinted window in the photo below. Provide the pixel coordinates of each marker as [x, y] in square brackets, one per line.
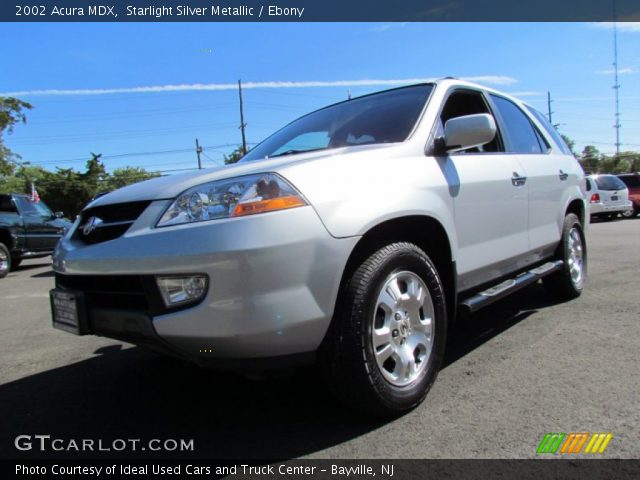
[609, 182]
[521, 133]
[631, 181]
[385, 117]
[467, 102]
[550, 130]
[6, 204]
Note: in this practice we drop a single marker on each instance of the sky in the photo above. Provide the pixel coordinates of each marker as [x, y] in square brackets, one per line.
[140, 94]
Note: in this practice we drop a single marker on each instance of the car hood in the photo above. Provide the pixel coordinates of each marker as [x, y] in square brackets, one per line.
[171, 186]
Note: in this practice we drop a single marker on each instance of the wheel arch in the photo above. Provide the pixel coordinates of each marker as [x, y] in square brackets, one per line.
[6, 238]
[425, 232]
[577, 207]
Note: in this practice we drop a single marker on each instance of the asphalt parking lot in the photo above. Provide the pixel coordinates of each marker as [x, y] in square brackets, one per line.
[513, 372]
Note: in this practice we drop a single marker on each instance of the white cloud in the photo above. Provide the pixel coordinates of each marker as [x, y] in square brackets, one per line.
[527, 94]
[388, 26]
[622, 26]
[611, 71]
[193, 87]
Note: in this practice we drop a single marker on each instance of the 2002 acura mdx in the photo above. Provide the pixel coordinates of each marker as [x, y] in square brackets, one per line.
[353, 236]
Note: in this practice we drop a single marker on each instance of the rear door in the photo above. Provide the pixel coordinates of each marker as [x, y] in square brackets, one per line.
[548, 174]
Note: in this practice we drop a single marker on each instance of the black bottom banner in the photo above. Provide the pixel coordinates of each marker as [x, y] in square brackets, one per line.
[582, 469]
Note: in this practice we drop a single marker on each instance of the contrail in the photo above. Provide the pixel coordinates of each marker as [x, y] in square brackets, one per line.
[194, 87]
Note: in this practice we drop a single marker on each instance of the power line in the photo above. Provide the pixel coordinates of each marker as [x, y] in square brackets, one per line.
[136, 154]
[242, 124]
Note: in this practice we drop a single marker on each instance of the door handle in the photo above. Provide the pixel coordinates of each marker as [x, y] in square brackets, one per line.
[563, 176]
[517, 180]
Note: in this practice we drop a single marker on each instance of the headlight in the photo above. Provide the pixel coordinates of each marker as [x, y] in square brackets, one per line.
[234, 197]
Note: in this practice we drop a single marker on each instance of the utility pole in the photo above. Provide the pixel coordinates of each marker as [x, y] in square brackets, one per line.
[616, 86]
[549, 107]
[198, 152]
[242, 124]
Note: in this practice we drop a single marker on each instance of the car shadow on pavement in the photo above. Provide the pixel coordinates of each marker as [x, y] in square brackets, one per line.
[30, 266]
[125, 392]
[474, 330]
[47, 274]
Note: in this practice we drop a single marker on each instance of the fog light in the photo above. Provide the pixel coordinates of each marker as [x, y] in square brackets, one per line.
[179, 290]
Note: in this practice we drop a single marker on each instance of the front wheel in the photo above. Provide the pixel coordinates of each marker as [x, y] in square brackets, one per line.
[386, 342]
[568, 282]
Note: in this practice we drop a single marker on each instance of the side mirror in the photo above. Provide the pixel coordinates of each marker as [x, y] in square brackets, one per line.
[58, 214]
[469, 131]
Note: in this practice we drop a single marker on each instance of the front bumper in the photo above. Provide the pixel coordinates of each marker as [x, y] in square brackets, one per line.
[273, 282]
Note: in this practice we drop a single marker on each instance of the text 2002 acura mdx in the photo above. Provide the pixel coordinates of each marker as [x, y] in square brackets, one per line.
[352, 237]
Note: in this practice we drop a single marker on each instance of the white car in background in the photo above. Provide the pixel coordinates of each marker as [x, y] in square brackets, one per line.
[608, 196]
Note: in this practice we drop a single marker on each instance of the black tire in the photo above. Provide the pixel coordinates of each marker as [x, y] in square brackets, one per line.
[631, 213]
[5, 261]
[563, 284]
[15, 263]
[347, 354]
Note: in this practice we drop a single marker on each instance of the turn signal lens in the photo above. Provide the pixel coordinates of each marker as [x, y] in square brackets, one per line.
[273, 204]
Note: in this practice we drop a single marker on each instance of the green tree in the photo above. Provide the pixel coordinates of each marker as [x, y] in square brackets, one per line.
[122, 177]
[234, 156]
[12, 111]
[570, 143]
[590, 159]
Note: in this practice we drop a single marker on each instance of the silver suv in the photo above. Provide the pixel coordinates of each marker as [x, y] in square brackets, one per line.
[353, 237]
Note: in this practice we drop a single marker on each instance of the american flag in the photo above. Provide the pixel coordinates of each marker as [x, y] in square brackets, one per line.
[35, 198]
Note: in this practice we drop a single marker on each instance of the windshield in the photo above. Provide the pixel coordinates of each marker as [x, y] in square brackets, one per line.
[609, 182]
[386, 117]
[27, 207]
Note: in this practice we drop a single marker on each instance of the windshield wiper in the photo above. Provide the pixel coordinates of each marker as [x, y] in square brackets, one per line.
[293, 152]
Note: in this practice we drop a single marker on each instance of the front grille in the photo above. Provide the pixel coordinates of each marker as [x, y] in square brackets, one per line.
[107, 222]
[125, 292]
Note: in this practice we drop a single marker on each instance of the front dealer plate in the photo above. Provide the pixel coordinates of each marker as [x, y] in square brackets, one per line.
[67, 309]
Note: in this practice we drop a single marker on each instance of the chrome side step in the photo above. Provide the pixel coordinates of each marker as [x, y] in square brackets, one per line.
[497, 292]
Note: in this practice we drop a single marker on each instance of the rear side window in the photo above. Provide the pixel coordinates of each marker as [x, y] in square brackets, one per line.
[632, 181]
[609, 182]
[550, 130]
[522, 135]
[6, 204]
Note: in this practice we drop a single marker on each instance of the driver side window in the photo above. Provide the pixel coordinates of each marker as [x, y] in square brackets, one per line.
[468, 102]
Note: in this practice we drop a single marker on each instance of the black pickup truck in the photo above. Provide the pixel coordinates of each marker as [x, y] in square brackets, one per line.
[27, 230]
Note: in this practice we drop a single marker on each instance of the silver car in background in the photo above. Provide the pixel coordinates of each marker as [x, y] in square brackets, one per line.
[352, 237]
[608, 196]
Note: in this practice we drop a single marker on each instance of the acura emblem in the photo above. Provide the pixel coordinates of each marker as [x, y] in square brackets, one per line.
[90, 225]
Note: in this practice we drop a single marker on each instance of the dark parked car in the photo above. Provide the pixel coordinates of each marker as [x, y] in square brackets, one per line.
[27, 230]
[632, 181]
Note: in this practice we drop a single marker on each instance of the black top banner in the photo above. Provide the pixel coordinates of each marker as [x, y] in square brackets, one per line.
[319, 11]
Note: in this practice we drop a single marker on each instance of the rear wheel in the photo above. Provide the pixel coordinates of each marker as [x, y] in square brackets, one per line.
[568, 282]
[386, 342]
[5, 261]
[632, 212]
